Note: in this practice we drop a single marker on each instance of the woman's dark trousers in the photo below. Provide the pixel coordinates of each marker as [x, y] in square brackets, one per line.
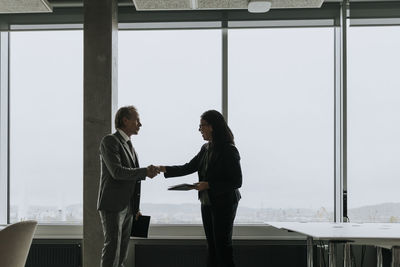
[218, 225]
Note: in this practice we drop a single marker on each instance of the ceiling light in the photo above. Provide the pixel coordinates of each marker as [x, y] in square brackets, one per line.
[258, 6]
[24, 6]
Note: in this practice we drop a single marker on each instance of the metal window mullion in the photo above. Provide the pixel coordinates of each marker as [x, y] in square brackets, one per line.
[224, 33]
[337, 130]
[4, 128]
[344, 11]
[340, 120]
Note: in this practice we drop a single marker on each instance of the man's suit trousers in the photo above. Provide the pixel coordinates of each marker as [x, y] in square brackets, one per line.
[117, 230]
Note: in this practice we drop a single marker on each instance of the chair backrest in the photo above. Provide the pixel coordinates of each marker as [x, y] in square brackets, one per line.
[15, 241]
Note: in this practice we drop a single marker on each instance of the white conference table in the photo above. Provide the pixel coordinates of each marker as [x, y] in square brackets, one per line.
[381, 235]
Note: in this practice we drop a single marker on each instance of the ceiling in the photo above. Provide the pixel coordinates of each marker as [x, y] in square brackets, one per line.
[42, 6]
[147, 5]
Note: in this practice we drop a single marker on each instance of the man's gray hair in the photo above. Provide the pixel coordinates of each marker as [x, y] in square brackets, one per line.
[124, 112]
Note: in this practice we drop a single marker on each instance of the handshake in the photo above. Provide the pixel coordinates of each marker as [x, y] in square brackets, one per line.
[152, 170]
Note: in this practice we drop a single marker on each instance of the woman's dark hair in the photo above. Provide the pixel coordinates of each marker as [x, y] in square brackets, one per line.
[221, 133]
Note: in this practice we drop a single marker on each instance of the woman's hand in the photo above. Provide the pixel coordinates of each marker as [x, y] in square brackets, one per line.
[162, 168]
[201, 186]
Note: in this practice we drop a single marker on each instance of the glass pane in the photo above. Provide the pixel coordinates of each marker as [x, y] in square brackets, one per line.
[373, 124]
[281, 112]
[171, 85]
[46, 133]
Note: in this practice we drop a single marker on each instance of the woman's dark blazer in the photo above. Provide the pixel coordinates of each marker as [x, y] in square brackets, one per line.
[224, 174]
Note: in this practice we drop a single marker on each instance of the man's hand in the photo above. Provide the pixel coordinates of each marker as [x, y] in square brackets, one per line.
[137, 215]
[201, 186]
[152, 171]
[162, 168]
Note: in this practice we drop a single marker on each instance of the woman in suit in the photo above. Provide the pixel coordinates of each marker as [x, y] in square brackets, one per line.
[220, 177]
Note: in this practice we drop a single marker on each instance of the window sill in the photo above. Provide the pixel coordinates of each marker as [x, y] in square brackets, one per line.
[174, 232]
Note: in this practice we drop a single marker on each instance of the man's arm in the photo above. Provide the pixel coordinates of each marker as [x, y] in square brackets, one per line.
[109, 150]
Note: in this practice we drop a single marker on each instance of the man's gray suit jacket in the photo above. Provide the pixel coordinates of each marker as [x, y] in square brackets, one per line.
[120, 175]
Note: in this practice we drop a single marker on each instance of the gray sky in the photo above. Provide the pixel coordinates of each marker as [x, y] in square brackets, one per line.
[280, 110]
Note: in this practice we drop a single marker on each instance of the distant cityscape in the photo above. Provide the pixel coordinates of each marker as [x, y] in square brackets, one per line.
[190, 214]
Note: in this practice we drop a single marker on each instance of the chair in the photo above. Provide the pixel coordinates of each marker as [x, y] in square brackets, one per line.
[15, 241]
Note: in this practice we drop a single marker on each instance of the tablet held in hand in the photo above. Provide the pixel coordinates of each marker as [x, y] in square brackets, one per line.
[182, 187]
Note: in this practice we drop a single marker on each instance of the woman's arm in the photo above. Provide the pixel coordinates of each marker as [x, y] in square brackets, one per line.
[181, 170]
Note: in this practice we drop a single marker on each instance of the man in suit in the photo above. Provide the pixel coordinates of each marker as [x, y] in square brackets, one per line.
[119, 191]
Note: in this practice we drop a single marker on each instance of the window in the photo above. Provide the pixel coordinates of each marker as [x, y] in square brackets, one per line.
[172, 77]
[46, 112]
[281, 113]
[373, 124]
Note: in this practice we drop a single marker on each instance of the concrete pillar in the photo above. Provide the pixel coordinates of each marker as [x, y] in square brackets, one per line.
[99, 105]
[4, 97]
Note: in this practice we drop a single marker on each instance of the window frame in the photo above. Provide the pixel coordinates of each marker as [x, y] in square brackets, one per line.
[331, 15]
